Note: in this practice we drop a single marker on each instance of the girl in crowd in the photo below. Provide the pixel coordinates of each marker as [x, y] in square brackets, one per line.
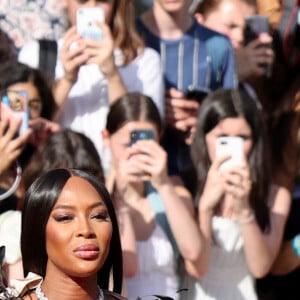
[23, 86]
[241, 213]
[70, 238]
[93, 74]
[231, 16]
[158, 210]
[64, 149]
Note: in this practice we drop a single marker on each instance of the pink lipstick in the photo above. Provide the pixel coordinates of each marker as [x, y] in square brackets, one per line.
[88, 252]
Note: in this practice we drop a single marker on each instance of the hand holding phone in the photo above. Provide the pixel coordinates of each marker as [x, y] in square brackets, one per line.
[197, 94]
[86, 22]
[16, 101]
[254, 26]
[230, 145]
[141, 134]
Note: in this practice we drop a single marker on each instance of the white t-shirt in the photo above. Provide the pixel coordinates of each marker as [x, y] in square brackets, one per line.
[87, 106]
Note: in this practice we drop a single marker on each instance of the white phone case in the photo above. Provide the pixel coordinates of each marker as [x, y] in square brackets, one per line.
[86, 22]
[230, 145]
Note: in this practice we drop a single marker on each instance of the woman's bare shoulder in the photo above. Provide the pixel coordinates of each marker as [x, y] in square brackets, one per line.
[279, 199]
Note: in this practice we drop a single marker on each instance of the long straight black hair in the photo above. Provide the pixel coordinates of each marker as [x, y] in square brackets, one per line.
[38, 204]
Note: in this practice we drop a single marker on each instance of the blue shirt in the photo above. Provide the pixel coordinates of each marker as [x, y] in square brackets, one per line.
[200, 59]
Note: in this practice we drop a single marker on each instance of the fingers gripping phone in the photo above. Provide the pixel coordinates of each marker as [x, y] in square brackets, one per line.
[86, 22]
[255, 25]
[230, 145]
[141, 134]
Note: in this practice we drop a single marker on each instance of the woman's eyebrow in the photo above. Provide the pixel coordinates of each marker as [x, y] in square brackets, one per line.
[69, 206]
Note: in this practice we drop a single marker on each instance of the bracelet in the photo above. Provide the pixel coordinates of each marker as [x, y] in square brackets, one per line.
[15, 184]
[249, 220]
[296, 245]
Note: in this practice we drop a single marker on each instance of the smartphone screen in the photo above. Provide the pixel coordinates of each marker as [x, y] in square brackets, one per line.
[141, 134]
[86, 22]
[230, 145]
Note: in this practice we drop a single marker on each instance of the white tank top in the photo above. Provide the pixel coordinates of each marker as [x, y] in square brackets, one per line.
[228, 277]
[156, 268]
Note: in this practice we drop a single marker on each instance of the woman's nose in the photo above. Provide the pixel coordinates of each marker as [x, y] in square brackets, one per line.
[85, 229]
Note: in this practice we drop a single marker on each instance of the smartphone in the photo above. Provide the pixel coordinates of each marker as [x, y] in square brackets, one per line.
[230, 145]
[141, 134]
[197, 95]
[16, 101]
[254, 25]
[86, 22]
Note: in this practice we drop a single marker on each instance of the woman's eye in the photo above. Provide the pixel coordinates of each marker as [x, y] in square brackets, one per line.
[100, 216]
[63, 218]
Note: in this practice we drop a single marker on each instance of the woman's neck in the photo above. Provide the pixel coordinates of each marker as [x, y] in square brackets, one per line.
[62, 287]
[165, 25]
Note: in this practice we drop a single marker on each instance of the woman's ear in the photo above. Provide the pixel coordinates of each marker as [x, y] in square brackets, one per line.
[105, 138]
[199, 17]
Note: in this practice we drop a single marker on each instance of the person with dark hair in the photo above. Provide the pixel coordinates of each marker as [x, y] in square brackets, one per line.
[17, 77]
[7, 48]
[241, 213]
[65, 148]
[91, 74]
[155, 209]
[70, 238]
[22, 86]
[229, 17]
[195, 61]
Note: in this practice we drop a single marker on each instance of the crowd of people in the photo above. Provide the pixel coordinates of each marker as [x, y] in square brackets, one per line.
[113, 183]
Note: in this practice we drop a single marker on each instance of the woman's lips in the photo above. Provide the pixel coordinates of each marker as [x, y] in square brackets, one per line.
[87, 252]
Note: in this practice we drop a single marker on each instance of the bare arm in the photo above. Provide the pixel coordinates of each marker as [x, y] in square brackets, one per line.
[102, 54]
[262, 249]
[128, 242]
[72, 55]
[177, 200]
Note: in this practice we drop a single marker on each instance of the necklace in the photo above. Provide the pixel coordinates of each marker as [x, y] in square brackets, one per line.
[41, 296]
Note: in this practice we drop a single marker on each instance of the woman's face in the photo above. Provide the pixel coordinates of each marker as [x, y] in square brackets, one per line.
[230, 16]
[229, 127]
[78, 231]
[173, 6]
[120, 140]
[73, 5]
[25, 93]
